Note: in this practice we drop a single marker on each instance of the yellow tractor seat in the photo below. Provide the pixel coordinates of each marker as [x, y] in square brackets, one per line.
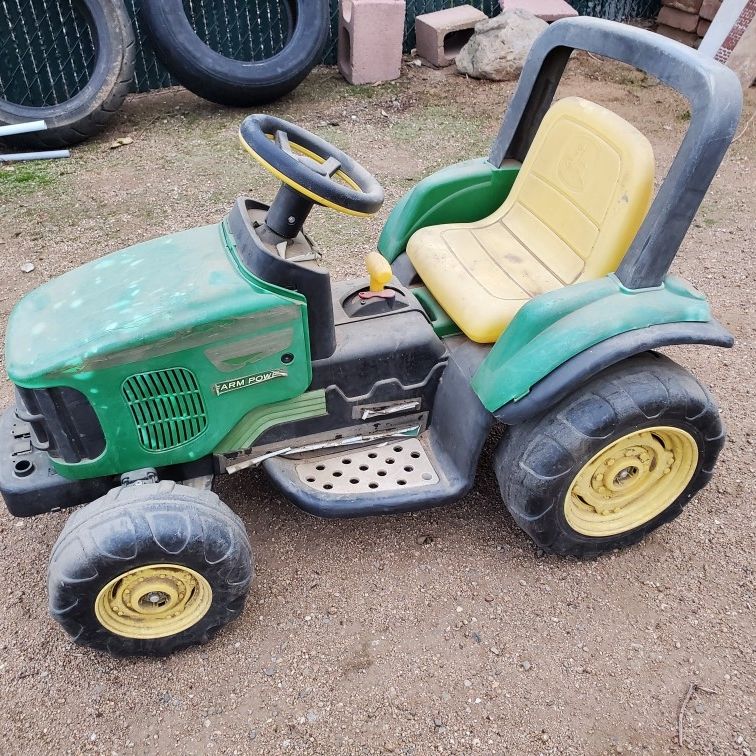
[575, 207]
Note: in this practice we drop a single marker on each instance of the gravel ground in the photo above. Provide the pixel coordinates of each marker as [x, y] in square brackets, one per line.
[438, 632]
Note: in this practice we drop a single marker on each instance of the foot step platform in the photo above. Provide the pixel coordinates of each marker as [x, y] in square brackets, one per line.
[393, 474]
[390, 466]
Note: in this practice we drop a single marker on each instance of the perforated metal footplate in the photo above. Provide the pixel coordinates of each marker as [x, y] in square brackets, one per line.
[386, 467]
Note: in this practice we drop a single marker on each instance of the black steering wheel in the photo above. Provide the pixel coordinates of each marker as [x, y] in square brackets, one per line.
[311, 166]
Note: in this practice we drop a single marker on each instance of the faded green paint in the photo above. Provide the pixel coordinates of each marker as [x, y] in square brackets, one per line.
[462, 193]
[555, 326]
[160, 305]
[241, 354]
[256, 422]
[443, 325]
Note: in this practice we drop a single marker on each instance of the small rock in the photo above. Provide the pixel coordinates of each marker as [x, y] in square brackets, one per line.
[495, 651]
[526, 665]
[424, 539]
[269, 671]
[27, 267]
[312, 716]
[121, 142]
[499, 46]
[252, 734]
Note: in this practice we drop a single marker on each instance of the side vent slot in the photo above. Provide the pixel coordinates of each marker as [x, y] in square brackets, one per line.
[166, 406]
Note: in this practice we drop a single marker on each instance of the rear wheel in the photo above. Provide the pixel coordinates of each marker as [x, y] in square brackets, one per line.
[148, 569]
[613, 461]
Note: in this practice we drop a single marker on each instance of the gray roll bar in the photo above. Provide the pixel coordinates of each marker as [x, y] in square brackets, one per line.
[715, 99]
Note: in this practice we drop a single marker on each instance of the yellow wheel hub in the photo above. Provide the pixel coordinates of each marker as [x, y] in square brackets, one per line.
[631, 481]
[153, 601]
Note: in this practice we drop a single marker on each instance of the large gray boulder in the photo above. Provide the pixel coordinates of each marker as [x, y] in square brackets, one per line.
[500, 45]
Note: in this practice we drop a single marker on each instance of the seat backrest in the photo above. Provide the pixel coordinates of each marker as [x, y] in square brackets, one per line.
[583, 190]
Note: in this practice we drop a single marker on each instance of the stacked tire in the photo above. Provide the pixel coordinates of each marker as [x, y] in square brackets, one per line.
[237, 83]
[185, 55]
[88, 110]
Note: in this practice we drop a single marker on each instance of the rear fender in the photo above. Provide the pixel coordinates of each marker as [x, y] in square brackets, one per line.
[560, 339]
[577, 370]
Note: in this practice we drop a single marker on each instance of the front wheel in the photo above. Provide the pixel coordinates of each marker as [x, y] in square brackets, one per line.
[613, 461]
[148, 569]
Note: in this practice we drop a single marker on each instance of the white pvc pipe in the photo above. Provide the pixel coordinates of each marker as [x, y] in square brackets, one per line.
[47, 155]
[22, 128]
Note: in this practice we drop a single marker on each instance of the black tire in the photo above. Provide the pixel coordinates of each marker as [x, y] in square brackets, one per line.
[152, 524]
[537, 461]
[233, 82]
[87, 112]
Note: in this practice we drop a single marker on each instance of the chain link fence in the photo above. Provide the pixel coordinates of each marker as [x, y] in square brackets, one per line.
[47, 53]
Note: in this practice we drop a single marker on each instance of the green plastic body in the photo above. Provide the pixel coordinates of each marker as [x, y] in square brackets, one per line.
[556, 326]
[442, 324]
[258, 420]
[180, 301]
[462, 193]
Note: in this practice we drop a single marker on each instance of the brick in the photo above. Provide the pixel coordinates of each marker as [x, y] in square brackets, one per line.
[709, 9]
[687, 38]
[689, 6]
[703, 27]
[677, 19]
[547, 10]
[441, 35]
[370, 40]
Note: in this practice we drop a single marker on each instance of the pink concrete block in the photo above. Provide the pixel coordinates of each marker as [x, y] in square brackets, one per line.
[689, 6]
[678, 19]
[703, 27]
[370, 40]
[687, 38]
[548, 10]
[441, 35]
[709, 9]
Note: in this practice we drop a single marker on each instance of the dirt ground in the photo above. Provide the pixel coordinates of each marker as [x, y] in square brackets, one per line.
[364, 636]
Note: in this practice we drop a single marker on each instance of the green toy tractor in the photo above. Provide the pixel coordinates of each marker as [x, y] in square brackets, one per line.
[525, 290]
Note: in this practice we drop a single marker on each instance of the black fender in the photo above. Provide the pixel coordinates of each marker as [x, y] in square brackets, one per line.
[578, 369]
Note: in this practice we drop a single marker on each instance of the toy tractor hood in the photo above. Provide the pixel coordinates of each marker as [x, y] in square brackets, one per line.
[167, 294]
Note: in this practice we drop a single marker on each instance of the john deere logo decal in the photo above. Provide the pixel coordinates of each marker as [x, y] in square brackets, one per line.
[249, 380]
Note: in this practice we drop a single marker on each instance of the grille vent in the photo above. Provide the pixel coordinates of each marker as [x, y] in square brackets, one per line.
[167, 407]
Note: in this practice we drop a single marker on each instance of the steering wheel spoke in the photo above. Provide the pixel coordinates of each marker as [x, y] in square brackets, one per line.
[311, 167]
[330, 167]
[283, 143]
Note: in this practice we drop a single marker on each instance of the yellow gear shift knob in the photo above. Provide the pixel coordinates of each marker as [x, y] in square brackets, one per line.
[379, 270]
